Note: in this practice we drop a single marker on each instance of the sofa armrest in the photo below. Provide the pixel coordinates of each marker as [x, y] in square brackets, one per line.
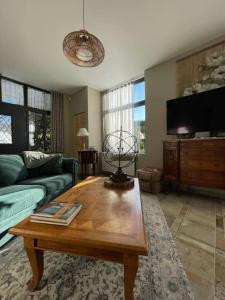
[71, 165]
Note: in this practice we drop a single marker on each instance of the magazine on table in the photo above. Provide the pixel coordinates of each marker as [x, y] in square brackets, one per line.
[56, 213]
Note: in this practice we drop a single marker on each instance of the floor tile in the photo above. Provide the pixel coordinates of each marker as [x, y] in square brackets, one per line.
[220, 274]
[202, 289]
[219, 208]
[196, 260]
[220, 268]
[220, 239]
[219, 222]
[198, 226]
[202, 211]
[170, 219]
[198, 231]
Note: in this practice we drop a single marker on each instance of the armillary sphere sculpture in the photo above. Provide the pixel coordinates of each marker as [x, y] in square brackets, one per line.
[120, 150]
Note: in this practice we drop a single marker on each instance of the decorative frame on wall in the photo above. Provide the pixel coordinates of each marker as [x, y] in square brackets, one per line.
[201, 71]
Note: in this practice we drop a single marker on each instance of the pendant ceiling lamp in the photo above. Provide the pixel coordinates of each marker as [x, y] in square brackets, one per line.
[83, 48]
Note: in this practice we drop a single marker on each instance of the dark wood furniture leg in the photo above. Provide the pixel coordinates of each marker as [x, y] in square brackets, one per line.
[82, 170]
[93, 169]
[130, 269]
[36, 259]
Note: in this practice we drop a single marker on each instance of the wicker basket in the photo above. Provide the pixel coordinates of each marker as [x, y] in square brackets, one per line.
[150, 180]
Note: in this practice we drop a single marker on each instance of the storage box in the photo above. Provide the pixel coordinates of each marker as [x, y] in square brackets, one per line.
[150, 179]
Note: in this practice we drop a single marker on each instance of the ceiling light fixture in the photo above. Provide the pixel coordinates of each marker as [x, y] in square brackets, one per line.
[83, 48]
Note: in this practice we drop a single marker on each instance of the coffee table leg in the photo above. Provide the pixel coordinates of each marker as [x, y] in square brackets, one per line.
[130, 269]
[36, 259]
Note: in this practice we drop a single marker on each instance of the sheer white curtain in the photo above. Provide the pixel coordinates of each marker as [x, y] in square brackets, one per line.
[118, 110]
[12, 92]
[39, 99]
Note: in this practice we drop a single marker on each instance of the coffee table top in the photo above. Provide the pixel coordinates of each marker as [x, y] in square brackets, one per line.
[111, 219]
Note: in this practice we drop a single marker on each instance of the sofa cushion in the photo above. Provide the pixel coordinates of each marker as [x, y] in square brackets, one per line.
[52, 166]
[34, 172]
[51, 183]
[12, 169]
[16, 198]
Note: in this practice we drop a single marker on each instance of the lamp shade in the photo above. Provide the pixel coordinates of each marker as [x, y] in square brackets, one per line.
[83, 49]
[82, 132]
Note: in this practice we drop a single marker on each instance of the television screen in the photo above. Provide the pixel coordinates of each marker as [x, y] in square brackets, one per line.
[179, 116]
[195, 113]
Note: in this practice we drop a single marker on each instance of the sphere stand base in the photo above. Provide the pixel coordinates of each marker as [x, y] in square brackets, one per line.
[121, 185]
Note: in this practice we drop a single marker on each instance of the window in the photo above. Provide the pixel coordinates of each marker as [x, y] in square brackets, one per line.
[125, 106]
[12, 92]
[139, 113]
[30, 107]
[38, 99]
[39, 131]
[5, 129]
[39, 104]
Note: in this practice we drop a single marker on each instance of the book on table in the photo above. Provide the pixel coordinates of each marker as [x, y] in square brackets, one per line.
[56, 213]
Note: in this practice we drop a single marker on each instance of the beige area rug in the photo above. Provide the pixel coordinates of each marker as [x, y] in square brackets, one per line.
[160, 274]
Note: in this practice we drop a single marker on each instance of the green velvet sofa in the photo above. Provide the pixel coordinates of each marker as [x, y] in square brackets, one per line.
[22, 191]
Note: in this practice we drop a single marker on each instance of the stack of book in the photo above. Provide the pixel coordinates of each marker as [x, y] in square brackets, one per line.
[56, 213]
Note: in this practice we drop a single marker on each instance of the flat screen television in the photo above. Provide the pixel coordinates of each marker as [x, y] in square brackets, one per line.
[200, 112]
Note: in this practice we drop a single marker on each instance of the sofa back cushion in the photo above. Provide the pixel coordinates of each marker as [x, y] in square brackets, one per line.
[12, 169]
[53, 166]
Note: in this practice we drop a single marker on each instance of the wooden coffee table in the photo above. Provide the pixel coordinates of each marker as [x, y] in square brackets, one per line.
[109, 227]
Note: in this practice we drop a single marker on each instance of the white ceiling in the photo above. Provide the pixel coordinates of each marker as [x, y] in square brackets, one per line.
[136, 34]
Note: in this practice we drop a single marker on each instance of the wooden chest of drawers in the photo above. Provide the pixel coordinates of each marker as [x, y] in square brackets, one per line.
[171, 160]
[199, 162]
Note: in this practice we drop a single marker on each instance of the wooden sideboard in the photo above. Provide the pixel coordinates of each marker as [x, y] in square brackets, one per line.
[199, 162]
[86, 158]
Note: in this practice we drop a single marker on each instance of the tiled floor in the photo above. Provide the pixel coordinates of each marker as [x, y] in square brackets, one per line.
[198, 226]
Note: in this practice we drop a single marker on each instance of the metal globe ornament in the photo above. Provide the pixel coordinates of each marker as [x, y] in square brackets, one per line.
[120, 150]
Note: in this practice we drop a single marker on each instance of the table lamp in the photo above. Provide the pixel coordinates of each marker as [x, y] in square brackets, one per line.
[83, 133]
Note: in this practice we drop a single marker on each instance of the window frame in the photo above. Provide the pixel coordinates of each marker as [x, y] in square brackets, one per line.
[25, 107]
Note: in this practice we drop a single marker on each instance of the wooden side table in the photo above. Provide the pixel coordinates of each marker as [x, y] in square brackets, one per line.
[86, 158]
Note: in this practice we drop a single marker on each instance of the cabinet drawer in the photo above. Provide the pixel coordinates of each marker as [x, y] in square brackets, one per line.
[203, 175]
[203, 154]
[219, 184]
[170, 144]
[211, 143]
[199, 165]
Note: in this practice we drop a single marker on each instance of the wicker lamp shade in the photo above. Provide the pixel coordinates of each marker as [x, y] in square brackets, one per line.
[83, 49]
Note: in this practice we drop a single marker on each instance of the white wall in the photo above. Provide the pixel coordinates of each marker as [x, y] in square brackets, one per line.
[94, 119]
[160, 85]
[85, 100]
[79, 103]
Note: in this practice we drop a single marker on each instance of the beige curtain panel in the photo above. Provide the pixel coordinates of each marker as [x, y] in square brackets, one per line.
[57, 145]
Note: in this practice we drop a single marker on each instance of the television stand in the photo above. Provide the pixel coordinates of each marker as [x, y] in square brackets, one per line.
[198, 162]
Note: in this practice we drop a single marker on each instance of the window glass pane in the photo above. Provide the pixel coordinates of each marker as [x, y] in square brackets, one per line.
[12, 92]
[139, 126]
[39, 99]
[139, 91]
[5, 129]
[36, 131]
[39, 131]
